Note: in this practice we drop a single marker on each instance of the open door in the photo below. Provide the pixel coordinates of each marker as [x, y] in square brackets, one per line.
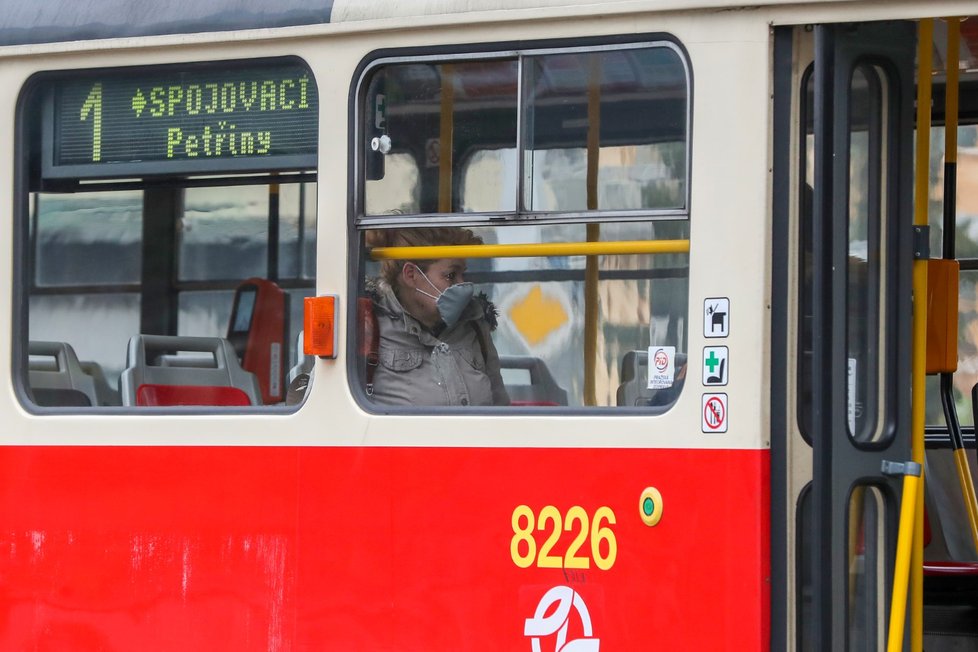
[861, 258]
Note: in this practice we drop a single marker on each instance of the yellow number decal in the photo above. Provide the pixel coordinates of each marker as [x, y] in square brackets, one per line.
[571, 560]
[523, 534]
[599, 534]
[525, 523]
[546, 560]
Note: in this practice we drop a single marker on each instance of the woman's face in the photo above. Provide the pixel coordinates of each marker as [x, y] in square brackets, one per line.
[441, 274]
[445, 272]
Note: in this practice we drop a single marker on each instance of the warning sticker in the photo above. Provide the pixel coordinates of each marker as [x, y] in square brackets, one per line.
[714, 413]
[662, 367]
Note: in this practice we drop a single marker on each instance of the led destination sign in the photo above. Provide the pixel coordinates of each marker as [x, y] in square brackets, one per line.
[203, 120]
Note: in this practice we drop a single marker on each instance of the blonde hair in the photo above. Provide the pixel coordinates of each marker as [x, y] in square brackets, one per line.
[430, 236]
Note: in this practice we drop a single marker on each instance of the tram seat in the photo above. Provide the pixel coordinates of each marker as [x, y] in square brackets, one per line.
[542, 388]
[105, 394]
[634, 390]
[156, 375]
[56, 376]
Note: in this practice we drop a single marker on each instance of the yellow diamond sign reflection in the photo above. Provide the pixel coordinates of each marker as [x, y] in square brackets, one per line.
[536, 316]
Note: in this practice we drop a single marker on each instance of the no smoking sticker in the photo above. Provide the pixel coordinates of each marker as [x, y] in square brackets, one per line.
[714, 413]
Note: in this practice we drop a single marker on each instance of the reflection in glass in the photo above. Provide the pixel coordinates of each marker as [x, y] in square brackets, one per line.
[638, 97]
[73, 231]
[415, 106]
[399, 190]
[866, 564]
[224, 233]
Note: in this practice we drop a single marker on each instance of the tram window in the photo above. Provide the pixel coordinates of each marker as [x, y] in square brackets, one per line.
[547, 354]
[153, 194]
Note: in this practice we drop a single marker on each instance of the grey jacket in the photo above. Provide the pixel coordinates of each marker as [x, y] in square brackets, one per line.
[459, 366]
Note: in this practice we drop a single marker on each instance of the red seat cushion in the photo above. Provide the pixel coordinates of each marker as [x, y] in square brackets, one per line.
[166, 395]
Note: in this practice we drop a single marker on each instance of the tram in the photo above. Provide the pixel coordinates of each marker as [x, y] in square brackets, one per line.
[729, 255]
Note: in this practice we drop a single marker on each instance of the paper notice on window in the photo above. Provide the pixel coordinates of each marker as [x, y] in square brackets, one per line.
[662, 367]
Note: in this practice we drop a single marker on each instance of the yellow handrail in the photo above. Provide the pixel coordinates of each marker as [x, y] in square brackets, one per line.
[898, 606]
[925, 42]
[533, 249]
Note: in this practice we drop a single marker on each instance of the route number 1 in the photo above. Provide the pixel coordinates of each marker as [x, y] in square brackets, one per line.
[93, 107]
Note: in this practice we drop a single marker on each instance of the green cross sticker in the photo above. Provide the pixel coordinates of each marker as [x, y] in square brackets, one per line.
[715, 365]
[712, 361]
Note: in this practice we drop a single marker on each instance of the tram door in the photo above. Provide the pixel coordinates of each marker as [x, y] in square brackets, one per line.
[859, 293]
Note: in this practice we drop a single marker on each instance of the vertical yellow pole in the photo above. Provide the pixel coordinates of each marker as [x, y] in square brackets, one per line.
[446, 133]
[898, 605]
[921, 192]
[593, 230]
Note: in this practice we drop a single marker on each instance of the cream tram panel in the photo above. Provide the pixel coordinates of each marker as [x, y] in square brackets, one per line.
[729, 226]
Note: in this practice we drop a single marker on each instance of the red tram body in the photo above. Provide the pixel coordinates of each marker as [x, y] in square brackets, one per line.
[697, 260]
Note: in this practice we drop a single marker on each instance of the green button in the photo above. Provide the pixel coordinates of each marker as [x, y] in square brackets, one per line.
[648, 506]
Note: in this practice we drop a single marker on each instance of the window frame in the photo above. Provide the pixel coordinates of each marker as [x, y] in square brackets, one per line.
[358, 221]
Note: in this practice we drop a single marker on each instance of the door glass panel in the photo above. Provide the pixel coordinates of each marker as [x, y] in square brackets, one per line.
[866, 559]
[806, 307]
[804, 540]
[864, 288]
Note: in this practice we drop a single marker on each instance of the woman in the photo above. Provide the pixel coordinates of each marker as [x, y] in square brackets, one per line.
[435, 345]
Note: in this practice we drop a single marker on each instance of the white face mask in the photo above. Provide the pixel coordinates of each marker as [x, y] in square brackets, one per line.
[452, 301]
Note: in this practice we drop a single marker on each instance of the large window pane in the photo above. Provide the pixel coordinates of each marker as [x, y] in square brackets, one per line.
[636, 99]
[566, 330]
[540, 306]
[415, 107]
